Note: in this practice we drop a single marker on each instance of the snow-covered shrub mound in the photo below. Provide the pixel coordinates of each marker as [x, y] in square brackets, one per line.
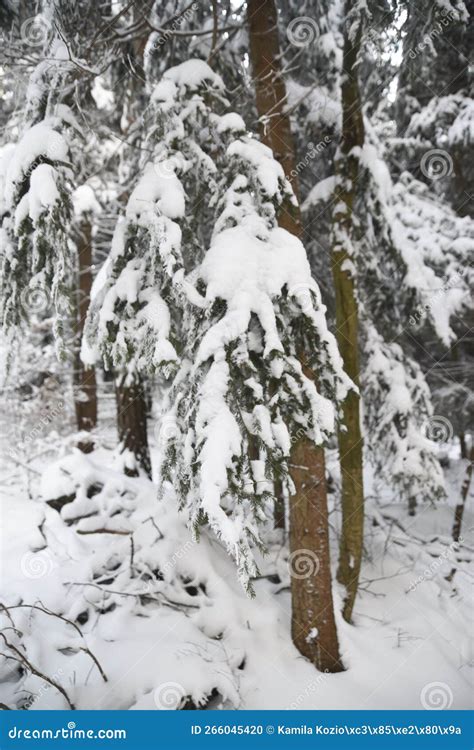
[124, 609]
[117, 561]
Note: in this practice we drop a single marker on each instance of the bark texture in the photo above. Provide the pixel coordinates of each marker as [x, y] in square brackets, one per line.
[459, 510]
[270, 93]
[313, 625]
[130, 394]
[347, 319]
[85, 387]
[132, 424]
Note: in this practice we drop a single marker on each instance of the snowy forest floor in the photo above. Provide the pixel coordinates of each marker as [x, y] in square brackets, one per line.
[150, 618]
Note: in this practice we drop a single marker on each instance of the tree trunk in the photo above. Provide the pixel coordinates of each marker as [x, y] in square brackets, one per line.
[279, 507]
[270, 96]
[132, 424]
[313, 625]
[130, 394]
[459, 510]
[347, 324]
[85, 388]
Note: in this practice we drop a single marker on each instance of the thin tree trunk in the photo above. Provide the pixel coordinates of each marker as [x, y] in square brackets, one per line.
[132, 424]
[130, 394]
[347, 323]
[462, 444]
[279, 508]
[313, 624]
[85, 387]
[459, 510]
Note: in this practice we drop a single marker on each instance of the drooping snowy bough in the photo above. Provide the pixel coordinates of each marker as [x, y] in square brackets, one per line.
[135, 310]
[243, 393]
[234, 319]
[36, 185]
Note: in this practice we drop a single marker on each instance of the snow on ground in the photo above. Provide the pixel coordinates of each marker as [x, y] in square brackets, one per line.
[169, 625]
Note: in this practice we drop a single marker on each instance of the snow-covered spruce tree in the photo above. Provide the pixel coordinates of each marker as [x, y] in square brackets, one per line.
[137, 295]
[46, 244]
[434, 105]
[382, 275]
[435, 145]
[386, 293]
[308, 508]
[275, 129]
[210, 31]
[398, 431]
[436, 246]
[242, 396]
[37, 255]
[151, 38]
[421, 265]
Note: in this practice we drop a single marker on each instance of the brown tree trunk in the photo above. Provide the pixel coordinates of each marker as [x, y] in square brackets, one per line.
[347, 323]
[279, 515]
[270, 96]
[85, 387]
[313, 625]
[132, 423]
[132, 407]
[459, 510]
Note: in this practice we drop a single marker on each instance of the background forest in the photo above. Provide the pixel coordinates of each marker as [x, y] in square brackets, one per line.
[236, 246]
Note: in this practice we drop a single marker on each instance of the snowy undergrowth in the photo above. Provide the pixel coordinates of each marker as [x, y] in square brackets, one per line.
[154, 619]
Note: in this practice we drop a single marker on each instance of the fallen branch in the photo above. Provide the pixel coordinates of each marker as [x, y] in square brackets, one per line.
[67, 621]
[34, 670]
